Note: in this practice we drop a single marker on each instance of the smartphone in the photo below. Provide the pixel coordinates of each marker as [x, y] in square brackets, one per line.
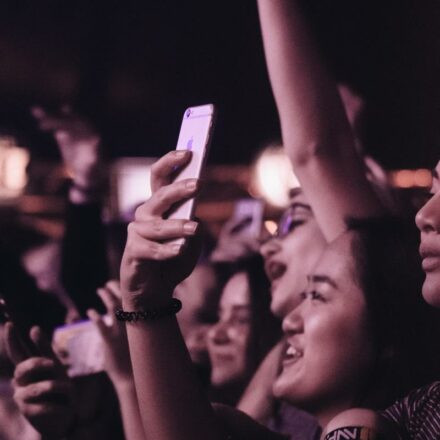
[79, 347]
[248, 218]
[195, 135]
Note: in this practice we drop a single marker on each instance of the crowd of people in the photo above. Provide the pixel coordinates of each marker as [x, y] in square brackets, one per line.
[322, 330]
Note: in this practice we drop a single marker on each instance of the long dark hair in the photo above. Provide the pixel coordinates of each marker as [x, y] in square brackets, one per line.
[390, 276]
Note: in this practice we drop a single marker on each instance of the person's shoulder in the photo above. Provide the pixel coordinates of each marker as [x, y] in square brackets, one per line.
[240, 426]
[422, 396]
[421, 408]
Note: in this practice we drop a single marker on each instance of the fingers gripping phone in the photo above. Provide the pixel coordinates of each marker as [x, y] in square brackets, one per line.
[10, 312]
[195, 135]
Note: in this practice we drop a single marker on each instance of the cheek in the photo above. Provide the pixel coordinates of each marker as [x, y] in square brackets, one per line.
[306, 246]
[240, 337]
[340, 343]
[198, 334]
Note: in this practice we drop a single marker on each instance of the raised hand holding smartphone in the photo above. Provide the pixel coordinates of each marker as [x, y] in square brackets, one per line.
[195, 136]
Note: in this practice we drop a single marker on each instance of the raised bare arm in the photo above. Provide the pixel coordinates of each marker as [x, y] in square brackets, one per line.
[172, 404]
[315, 129]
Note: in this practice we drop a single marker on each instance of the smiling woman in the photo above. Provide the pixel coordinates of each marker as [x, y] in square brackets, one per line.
[328, 349]
[245, 330]
[348, 341]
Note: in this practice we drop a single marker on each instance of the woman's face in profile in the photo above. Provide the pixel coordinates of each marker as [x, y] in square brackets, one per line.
[291, 255]
[228, 340]
[428, 221]
[328, 351]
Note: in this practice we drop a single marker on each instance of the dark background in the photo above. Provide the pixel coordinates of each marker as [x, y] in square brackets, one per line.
[134, 66]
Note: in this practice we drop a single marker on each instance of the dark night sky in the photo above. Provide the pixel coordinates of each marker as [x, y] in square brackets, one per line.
[134, 66]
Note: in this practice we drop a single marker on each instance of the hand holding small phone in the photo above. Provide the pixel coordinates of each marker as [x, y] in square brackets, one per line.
[24, 346]
[195, 136]
[42, 391]
[240, 235]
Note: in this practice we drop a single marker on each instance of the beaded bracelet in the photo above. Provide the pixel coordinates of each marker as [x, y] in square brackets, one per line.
[150, 314]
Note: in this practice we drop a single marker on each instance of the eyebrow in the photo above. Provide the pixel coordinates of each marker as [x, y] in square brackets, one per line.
[322, 279]
[294, 192]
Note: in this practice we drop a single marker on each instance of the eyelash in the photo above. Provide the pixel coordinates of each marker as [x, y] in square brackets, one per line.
[314, 296]
[294, 224]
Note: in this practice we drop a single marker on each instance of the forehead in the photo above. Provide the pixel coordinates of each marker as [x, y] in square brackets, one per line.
[337, 262]
[236, 291]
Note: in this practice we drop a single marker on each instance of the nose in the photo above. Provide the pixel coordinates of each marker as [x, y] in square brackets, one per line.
[293, 323]
[196, 340]
[218, 334]
[428, 217]
[270, 247]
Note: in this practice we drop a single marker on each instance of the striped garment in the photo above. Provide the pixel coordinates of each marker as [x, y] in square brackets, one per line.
[417, 416]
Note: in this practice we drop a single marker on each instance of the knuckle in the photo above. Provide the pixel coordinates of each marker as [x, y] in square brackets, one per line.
[35, 389]
[155, 167]
[156, 225]
[162, 196]
[131, 228]
[48, 386]
[138, 212]
[17, 395]
[155, 249]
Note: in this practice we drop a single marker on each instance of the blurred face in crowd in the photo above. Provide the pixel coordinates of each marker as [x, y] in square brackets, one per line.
[428, 221]
[292, 254]
[229, 339]
[42, 263]
[198, 292]
[328, 350]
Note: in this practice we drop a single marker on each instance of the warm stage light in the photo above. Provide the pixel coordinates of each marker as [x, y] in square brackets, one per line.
[273, 177]
[13, 163]
[411, 178]
[271, 226]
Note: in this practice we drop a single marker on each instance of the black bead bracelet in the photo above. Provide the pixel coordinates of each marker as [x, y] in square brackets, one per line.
[150, 314]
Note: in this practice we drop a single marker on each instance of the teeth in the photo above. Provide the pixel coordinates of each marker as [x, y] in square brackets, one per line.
[293, 352]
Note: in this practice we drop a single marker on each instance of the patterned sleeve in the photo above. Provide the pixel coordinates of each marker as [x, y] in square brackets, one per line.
[418, 414]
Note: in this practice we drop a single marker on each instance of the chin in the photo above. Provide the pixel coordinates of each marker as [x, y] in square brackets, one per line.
[220, 379]
[282, 388]
[431, 290]
[278, 390]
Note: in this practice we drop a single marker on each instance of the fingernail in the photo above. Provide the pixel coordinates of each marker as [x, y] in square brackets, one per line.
[176, 248]
[192, 184]
[180, 153]
[190, 227]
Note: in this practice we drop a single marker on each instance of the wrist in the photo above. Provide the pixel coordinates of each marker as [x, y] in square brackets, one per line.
[122, 384]
[140, 300]
[171, 308]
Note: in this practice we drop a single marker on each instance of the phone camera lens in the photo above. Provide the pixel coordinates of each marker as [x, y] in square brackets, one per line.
[188, 113]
